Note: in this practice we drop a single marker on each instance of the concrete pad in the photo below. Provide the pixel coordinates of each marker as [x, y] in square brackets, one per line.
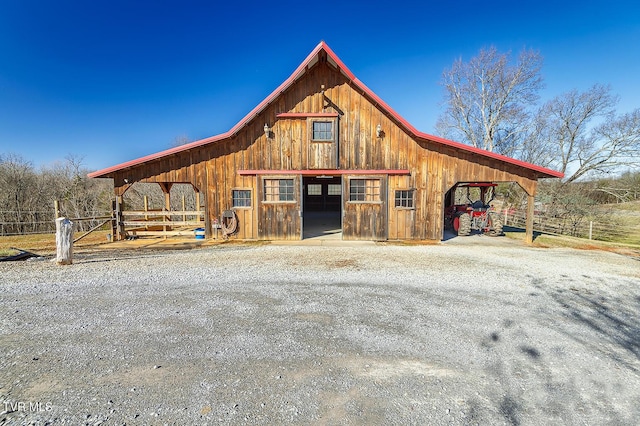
[323, 242]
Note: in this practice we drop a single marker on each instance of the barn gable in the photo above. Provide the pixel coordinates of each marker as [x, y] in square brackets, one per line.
[324, 142]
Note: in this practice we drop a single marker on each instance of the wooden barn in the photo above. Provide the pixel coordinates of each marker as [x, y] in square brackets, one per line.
[324, 145]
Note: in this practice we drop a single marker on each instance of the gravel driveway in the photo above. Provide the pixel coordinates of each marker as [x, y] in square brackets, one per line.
[479, 332]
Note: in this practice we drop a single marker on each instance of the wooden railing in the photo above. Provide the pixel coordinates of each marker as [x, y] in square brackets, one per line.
[160, 223]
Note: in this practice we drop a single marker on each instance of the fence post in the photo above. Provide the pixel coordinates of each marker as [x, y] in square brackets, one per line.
[118, 231]
[56, 207]
[64, 241]
[145, 200]
[590, 229]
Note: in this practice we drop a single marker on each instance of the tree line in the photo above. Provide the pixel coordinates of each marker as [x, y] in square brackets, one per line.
[27, 194]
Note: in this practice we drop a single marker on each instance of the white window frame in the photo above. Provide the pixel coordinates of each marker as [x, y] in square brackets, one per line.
[265, 194]
[366, 188]
[233, 198]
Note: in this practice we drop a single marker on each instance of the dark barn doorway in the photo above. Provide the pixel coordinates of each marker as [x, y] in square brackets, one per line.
[322, 207]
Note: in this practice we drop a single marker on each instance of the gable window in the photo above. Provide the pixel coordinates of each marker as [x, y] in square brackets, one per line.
[322, 131]
[404, 199]
[364, 190]
[278, 190]
[241, 197]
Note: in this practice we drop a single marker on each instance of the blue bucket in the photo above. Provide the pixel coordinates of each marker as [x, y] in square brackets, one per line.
[199, 233]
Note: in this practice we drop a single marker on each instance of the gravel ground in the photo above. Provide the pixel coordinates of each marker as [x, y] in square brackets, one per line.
[486, 331]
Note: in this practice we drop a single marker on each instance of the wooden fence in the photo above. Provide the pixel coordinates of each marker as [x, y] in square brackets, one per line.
[155, 222]
[613, 228]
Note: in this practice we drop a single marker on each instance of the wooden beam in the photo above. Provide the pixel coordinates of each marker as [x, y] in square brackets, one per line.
[529, 221]
[165, 186]
[152, 213]
[305, 114]
[146, 223]
[327, 172]
[91, 230]
[120, 190]
[163, 233]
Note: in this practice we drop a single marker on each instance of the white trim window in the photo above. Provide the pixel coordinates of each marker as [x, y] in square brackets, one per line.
[279, 190]
[241, 198]
[364, 190]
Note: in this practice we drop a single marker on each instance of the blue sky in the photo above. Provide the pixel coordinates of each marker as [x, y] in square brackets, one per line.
[110, 81]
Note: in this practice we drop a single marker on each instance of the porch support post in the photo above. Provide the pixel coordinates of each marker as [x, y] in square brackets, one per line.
[166, 188]
[118, 232]
[205, 217]
[529, 222]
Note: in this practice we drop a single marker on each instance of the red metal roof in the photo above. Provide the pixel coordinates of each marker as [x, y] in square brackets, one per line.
[310, 60]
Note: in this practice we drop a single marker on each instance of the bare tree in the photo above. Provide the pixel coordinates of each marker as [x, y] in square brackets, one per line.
[488, 98]
[579, 134]
[81, 197]
[17, 190]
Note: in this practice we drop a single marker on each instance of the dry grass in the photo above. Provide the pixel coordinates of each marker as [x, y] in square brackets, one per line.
[633, 206]
[45, 244]
[549, 240]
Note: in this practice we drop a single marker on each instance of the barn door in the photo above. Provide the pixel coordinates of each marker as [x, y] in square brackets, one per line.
[279, 208]
[365, 208]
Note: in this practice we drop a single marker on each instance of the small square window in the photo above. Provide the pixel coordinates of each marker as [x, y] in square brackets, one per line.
[364, 190]
[278, 190]
[314, 189]
[334, 189]
[404, 198]
[241, 197]
[322, 131]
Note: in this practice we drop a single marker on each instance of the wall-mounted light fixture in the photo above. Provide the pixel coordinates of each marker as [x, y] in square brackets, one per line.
[378, 130]
[267, 130]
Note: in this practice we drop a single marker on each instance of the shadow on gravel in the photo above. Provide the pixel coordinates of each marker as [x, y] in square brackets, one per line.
[100, 258]
[603, 324]
[510, 409]
[611, 319]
